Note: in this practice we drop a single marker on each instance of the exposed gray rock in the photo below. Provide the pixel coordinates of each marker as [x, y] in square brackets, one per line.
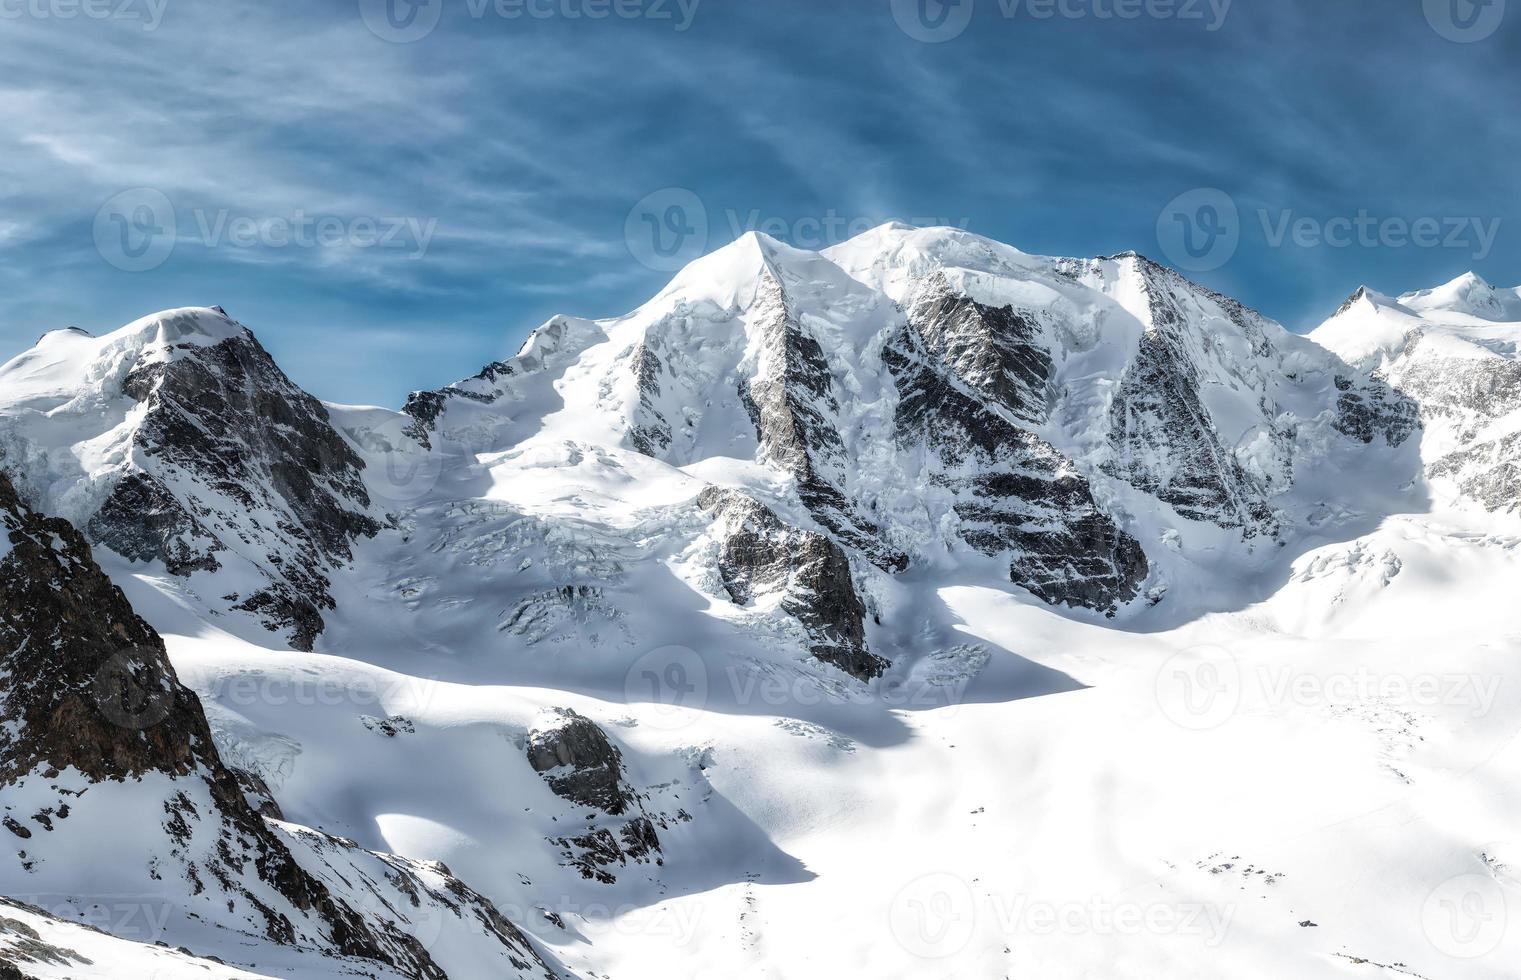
[792, 402]
[579, 763]
[1014, 493]
[1162, 438]
[760, 555]
[995, 352]
[238, 460]
[651, 434]
[1369, 408]
[582, 766]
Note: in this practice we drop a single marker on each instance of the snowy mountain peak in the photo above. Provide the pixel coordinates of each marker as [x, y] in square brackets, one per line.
[1469, 295]
[1453, 349]
[66, 332]
[1363, 295]
[177, 439]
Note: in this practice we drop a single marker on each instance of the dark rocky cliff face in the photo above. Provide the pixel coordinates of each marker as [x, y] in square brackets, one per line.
[86, 687]
[239, 460]
[1163, 439]
[582, 766]
[793, 404]
[967, 377]
[1368, 409]
[89, 680]
[760, 555]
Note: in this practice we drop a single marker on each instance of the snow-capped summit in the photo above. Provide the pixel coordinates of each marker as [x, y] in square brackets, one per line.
[919, 390]
[178, 440]
[1466, 296]
[1455, 350]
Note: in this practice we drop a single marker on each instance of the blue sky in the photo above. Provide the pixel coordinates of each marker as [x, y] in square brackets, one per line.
[390, 214]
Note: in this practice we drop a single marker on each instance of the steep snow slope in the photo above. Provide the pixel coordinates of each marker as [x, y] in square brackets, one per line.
[918, 607]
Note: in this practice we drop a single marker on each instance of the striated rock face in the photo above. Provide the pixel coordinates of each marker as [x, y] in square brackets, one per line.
[995, 353]
[481, 412]
[583, 767]
[792, 402]
[231, 422]
[80, 663]
[100, 724]
[967, 376]
[1163, 439]
[651, 433]
[807, 574]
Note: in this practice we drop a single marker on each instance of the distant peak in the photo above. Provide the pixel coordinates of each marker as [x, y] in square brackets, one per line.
[1360, 294]
[1470, 294]
[1470, 280]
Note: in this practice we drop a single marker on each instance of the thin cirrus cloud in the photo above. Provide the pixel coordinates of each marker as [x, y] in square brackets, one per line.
[521, 145]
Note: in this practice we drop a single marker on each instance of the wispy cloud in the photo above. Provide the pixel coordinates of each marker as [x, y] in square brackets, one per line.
[524, 144]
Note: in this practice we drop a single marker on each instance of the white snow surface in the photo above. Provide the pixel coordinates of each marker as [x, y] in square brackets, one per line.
[1303, 762]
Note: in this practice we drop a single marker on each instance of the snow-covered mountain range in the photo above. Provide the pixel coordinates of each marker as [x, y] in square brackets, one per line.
[913, 607]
